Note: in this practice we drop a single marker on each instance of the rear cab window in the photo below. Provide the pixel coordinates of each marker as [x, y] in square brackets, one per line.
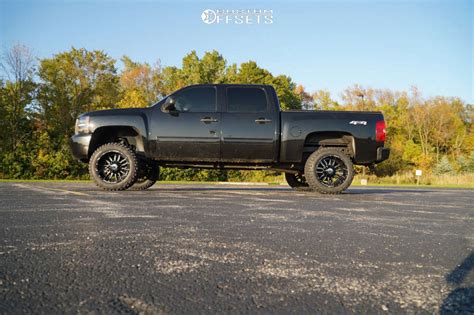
[246, 100]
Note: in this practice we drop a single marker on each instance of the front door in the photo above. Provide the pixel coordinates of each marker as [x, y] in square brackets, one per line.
[192, 131]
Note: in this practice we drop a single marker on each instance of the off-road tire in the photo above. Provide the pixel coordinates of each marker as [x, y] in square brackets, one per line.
[314, 168]
[295, 182]
[121, 150]
[149, 173]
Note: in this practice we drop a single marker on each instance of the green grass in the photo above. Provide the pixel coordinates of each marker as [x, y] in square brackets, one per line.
[409, 179]
[43, 180]
[357, 184]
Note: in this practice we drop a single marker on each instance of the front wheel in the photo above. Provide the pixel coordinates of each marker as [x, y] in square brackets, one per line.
[113, 166]
[296, 181]
[329, 171]
[149, 174]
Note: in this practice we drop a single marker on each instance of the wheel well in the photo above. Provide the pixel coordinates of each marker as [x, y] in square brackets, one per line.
[341, 140]
[108, 134]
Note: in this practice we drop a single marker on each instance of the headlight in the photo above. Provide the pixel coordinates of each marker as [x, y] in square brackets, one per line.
[82, 124]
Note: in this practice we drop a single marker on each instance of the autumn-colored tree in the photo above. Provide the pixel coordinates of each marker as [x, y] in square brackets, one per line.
[307, 101]
[359, 98]
[141, 84]
[322, 101]
[420, 130]
[448, 125]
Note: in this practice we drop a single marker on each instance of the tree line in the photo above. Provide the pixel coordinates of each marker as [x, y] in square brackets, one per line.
[41, 98]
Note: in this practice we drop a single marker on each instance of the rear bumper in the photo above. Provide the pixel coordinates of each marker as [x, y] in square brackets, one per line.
[79, 145]
[382, 154]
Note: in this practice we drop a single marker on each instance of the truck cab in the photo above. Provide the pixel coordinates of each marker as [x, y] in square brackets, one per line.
[217, 123]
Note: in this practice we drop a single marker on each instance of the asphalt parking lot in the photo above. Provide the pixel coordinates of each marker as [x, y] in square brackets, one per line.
[180, 249]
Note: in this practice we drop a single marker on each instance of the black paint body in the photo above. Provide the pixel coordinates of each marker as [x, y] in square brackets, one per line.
[221, 139]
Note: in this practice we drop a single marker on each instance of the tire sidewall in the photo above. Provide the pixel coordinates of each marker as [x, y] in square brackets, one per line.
[128, 181]
[153, 174]
[310, 170]
[294, 183]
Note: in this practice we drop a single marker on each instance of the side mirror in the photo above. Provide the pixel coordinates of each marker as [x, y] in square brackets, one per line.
[168, 105]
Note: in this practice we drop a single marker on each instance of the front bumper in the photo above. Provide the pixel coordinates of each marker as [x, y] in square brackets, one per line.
[382, 154]
[79, 145]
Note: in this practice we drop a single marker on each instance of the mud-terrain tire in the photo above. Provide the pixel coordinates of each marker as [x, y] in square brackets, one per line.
[113, 166]
[149, 173]
[329, 171]
[297, 181]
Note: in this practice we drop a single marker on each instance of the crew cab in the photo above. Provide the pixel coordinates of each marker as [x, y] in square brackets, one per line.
[227, 126]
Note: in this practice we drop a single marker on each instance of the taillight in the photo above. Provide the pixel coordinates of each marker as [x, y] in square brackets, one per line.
[380, 131]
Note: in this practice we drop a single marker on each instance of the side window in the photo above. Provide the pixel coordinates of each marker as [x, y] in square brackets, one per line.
[198, 99]
[246, 100]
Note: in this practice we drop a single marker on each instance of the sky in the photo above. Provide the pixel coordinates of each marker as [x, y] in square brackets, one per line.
[327, 45]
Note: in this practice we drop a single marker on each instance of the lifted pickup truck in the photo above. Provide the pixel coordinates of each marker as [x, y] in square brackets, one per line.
[227, 126]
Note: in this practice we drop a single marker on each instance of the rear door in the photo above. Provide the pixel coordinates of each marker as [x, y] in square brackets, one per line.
[249, 125]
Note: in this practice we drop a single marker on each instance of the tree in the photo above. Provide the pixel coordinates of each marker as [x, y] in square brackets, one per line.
[141, 84]
[71, 83]
[74, 82]
[463, 164]
[39, 104]
[307, 101]
[17, 94]
[412, 153]
[443, 166]
[322, 100]
[285, 89]
[172, 80]
[447, 128]
[359, 98]
[470, 162]
[212, 68]
[250, 73]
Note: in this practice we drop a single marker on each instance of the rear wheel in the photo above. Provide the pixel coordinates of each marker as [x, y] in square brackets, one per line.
[113, 166]
[148, 175]
[296, 181]
[329, 171]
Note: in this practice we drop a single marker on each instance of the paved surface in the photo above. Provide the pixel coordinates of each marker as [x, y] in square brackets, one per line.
[68, 248]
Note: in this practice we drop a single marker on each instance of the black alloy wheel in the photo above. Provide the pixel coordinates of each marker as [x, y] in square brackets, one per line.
[296, 181]
[113, 166]
[329, 171]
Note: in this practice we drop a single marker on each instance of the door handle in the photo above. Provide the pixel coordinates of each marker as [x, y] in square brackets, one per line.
[262, 121]
[208, 120]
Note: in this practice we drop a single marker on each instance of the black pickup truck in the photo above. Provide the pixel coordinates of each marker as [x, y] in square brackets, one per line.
[227, 126]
